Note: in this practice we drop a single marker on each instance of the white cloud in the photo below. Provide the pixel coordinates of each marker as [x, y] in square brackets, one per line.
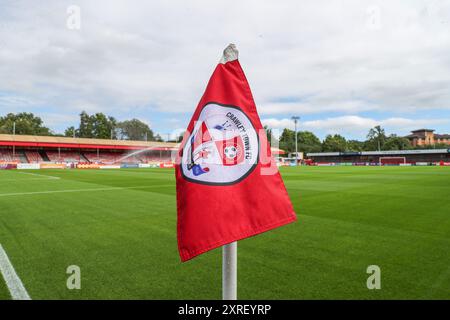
[173, 120]
[354, 126]
[158, 55]
[173, 134]
[54, 119]
[316, 106]
[278, 123]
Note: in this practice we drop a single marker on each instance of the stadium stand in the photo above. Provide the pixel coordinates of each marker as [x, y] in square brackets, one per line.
[118, 157]
[130, 159]
[103, 157]
[36, 149]
[33, 156]
[6, 155]
[154, 158]
[389, 157]
[63, 156]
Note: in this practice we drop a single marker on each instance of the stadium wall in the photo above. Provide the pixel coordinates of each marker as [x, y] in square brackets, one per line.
[412, 157]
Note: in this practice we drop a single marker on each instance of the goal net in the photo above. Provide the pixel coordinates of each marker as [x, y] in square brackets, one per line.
[392, 161]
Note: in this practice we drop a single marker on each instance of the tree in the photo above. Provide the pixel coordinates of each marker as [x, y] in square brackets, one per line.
[70, 132]
[287, 140]
[271, 139]
[26, 123]
[355, 145]
[97, 126]
[306, 141]
[440, 146]
[376, 138]
[180, 137]
[433, 146]
[394, 142]
[86, 129]
[334, 143]
[104, 126]
[135, 129]
[158, 138]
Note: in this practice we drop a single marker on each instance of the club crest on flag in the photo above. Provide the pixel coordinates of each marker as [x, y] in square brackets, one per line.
[222, 148]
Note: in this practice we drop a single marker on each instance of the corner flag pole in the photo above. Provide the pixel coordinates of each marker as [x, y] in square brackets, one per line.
[229, 251]
[229, 271]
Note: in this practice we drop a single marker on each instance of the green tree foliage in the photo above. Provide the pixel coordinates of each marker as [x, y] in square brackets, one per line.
[394, 142]
[101, 126]
[440, 146]
[70, 132]
[104, 126]
[334, 143]
[135, 129]
[97, 126]
[273, 141]
[306, 140]
[85, 129]
[26, 123]
[287, 140]
[433, 146]
[376, 138]
[180, 137]
[158, 138]
[355, 145]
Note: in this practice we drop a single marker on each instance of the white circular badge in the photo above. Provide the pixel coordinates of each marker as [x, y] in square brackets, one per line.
[222, 148]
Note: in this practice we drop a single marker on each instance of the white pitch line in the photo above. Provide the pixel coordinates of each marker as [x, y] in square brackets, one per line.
[40, 175]
[13, 282]
[77, 190]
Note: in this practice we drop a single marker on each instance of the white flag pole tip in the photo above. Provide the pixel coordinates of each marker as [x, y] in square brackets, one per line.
[230, 53]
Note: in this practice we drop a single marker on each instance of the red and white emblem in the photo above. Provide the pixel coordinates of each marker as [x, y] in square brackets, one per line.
[222, 148]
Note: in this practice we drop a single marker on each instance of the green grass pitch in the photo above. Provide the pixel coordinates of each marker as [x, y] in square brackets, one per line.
[119, 227]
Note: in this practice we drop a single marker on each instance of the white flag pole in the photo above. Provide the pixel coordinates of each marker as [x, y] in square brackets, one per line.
[229, 251]
[229, 271]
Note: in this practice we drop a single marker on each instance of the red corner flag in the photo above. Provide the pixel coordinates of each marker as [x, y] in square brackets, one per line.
[227, 186]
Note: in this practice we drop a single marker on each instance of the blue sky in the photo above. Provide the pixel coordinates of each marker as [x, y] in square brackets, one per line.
[343, 67]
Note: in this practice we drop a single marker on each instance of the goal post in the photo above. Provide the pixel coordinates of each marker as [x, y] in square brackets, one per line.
[383, 161]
